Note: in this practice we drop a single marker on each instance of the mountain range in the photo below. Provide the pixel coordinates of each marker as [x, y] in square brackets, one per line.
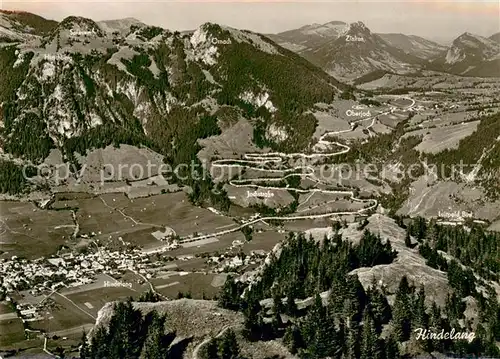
[79, 84]
[131, 71]
[358, 51]
[471, 55]
[350, 51]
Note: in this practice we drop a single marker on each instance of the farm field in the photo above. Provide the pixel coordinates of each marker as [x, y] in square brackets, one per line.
[438, 139]
[62, 314]
[27, 231]
[11, 332]
[263, 241]
[197, 285]
[175, 211]
[93, 300]
[11, 326]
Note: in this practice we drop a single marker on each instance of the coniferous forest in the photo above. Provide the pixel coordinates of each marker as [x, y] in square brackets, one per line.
[268, 119]
[348, 321]
[307, 298]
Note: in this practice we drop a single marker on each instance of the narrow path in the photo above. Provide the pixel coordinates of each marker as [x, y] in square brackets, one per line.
[137, 223]
[46, 350]
[199, 346]
[254, 160]
[81, 309]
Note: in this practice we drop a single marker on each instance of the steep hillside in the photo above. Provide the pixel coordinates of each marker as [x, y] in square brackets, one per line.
[88, 79]
[358, 52]
[183, 328]
[479, 152]
[19, 25]
[414, 45]
[471, 55]
[87, 85]
[495, 37]
[374, 295]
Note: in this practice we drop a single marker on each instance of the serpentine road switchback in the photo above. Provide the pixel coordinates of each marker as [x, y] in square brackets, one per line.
[252, 160]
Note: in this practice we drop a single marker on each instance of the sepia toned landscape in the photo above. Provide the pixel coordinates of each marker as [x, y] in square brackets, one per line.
[328, 191]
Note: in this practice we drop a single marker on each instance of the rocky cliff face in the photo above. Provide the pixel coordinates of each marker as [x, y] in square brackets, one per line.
[85, 84]
[358, 52]
[471, 55]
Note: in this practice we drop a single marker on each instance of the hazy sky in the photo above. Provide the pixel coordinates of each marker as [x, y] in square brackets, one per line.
[440, 20]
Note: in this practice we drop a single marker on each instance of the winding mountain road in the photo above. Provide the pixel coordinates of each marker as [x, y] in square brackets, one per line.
[254, 160]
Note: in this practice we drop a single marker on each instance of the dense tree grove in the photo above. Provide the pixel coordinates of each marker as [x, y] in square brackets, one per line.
[309, 298]
[347, 321]
[13, 78]
[474, 247]
[223, 347]
[149, 296]
[305, 267]
[30, 139]
[148, 32]
[12, 178]
[139, 67]
[27, 140]
[131, 335]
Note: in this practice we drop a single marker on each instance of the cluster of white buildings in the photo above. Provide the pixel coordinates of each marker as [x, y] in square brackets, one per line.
[68, 270]
[230, 262]
[37, 277]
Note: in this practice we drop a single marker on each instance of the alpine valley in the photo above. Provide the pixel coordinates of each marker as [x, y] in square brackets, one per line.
[324, 192]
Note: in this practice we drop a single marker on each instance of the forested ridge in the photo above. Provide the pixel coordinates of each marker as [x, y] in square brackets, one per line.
[89, 102]
[131, 335]
[473, 246]
[351, 323]
[343, 319]
[479, 150]
[30, 23]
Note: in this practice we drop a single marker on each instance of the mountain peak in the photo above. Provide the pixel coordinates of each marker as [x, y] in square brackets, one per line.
[469, 35]
[359, 27]
[309, 26]
[464, 35]
[80, 25]
[470, 40]
[122, 26]
[12, 12]
[128, 20]
[336, 23]
[357, 32]
[469, 51]
[133, 19]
